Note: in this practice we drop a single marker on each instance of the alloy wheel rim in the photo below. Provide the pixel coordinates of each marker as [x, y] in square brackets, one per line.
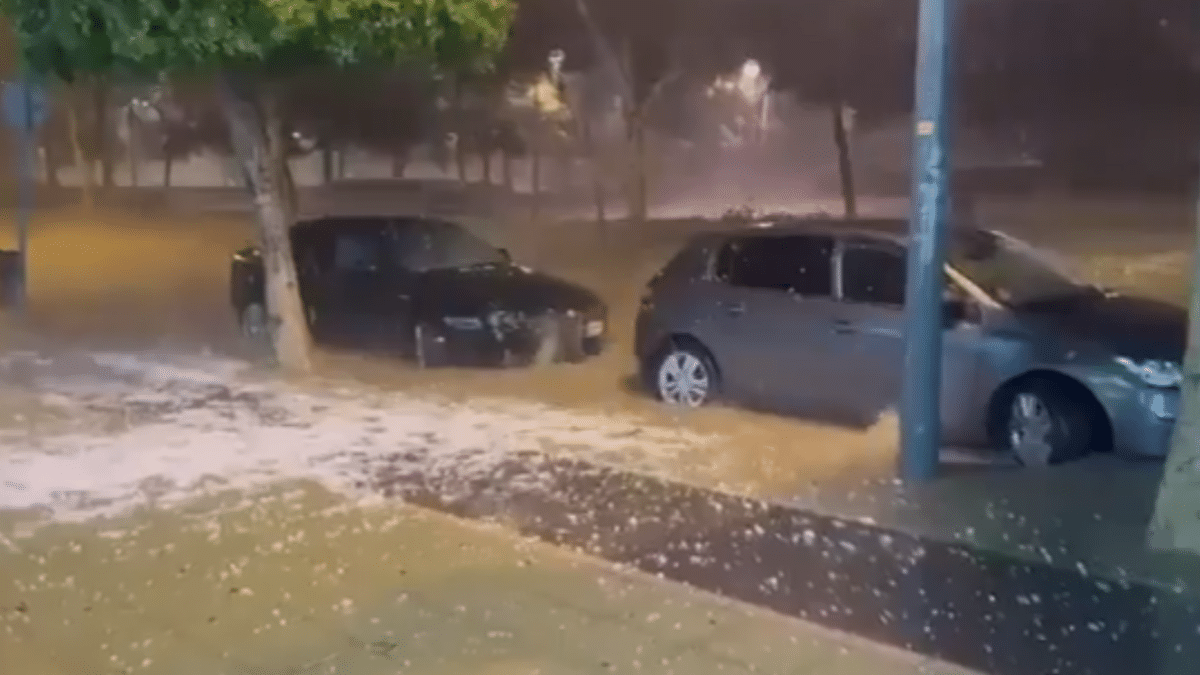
[1030, 426]
[683, 380]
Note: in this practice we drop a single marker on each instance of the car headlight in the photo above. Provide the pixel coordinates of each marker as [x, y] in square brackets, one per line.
[1153, 372]
[463, 322]
[504, 320]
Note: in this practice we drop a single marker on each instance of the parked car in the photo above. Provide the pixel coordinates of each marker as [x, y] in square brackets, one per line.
[808, 316]
[428, 289]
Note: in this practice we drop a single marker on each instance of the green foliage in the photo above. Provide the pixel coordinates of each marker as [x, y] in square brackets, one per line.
[69, 37]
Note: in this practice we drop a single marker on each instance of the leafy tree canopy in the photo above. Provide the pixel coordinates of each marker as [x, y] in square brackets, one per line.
[69, 37]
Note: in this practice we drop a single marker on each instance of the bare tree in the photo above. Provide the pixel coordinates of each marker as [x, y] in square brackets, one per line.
[637, 54]
[76, 132]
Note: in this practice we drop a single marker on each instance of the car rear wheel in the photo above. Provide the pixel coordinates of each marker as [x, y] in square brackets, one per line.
[684, 375]
[1045, 425]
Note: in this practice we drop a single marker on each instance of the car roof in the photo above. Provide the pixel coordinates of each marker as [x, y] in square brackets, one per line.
[346, 222]
[888, 229]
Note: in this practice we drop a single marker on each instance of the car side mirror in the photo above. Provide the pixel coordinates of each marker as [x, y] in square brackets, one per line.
[504, 253]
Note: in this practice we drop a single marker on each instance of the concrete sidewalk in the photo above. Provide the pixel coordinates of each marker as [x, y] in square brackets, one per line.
[295, 582]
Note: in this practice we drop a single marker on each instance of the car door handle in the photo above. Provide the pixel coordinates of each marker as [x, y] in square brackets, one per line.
[844, 327]
[735, 308]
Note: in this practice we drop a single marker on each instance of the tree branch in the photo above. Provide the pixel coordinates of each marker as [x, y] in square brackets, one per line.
[673, 74]
[607, 53]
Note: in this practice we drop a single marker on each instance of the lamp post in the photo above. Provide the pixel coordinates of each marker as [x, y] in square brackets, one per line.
[25, 107]
[920, 411]
[556, 59]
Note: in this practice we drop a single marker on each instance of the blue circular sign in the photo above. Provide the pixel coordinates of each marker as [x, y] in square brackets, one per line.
[26, 105]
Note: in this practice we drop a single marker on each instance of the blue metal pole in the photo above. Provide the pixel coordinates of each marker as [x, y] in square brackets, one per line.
[920, 410]
[25, 177]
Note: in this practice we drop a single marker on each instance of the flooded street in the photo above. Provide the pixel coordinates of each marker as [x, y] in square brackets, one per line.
[138, 422]
[127, 281]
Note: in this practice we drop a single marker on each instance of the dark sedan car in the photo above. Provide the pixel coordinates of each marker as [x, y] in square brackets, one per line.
[428, 289]
[808, 315]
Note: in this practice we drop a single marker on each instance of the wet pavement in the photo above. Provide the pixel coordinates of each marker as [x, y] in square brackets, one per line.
[984, 610]
[979, 609]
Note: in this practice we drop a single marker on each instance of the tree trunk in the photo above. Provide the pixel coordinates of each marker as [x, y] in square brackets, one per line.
[326, 162]
[253, 127]
[1175, 526]
[1176, 522]
[460, 160]
[841, 139]
[100, 102]
[593, 153]
[639, 192]
[133, 149]
[506, 169]
[486, 157]
[167, 166]
[277, 152]
[535, 183]
[399, 163]
[82, 165]
[599, 198]
[50, 153]
[460, 135]
[566, 171]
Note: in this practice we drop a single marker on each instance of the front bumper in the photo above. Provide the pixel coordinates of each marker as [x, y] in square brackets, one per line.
[553, 337]
[1144, 420]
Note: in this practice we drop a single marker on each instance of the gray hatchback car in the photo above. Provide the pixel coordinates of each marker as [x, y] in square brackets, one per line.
[807, 316]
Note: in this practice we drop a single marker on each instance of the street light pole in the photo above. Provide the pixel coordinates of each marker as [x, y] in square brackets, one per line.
[920, 408]
[25, 188]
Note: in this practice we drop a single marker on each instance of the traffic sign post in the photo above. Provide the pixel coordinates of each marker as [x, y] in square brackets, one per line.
[26, 107]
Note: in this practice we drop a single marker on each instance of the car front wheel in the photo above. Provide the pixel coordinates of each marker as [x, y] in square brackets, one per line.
[684, 375]
[1046, 426]
[429, 346]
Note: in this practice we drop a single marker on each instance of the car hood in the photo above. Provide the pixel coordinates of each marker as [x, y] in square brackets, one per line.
[510, 288]
[1137, 328]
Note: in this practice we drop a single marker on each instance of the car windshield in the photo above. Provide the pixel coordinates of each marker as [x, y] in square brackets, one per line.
[1012, 271]
[433, 246]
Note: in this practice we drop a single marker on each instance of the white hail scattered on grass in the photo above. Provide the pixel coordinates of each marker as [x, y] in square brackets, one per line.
[195, 425]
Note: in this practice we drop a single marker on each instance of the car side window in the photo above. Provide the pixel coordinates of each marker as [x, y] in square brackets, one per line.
[356, 252]
[413, 247]
[799, 264]
[873, 275]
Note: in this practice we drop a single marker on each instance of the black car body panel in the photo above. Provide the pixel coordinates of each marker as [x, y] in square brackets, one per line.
[486, 311]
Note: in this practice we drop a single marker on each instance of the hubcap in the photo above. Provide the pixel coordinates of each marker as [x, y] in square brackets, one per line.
[1030, 426]
[683, 379]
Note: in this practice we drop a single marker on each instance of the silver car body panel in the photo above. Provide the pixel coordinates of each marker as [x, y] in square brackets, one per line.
[784, 352]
